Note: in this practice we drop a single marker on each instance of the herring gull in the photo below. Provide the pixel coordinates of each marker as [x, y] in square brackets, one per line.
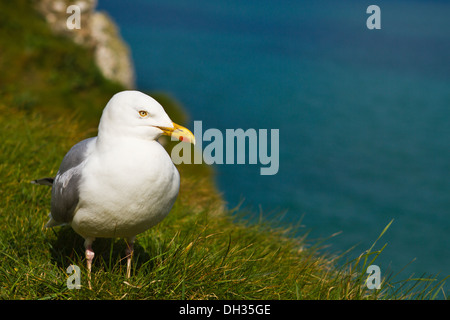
[123, 181]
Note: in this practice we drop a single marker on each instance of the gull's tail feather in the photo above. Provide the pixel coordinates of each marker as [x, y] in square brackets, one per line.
[53, 223]
[44, 181]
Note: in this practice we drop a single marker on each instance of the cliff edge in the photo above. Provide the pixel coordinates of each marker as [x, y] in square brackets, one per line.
[96, 31]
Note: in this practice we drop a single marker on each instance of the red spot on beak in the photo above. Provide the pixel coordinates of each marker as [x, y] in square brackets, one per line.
[180, 138]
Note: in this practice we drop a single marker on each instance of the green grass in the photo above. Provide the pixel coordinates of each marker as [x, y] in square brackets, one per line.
[41, 71]
[200, 251]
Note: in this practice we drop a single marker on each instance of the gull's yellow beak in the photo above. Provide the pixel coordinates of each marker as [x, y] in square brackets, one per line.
[179, 132]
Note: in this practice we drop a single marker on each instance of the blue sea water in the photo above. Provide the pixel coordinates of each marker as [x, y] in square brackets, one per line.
[364, 115]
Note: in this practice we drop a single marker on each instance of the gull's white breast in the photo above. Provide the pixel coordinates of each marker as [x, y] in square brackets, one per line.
[125, 189]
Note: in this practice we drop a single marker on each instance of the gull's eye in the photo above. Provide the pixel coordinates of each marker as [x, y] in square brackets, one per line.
[143, 113]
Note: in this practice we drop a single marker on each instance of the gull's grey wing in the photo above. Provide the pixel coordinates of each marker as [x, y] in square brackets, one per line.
[65, 194]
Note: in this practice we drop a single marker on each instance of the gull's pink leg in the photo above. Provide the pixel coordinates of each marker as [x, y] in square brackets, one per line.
[89, 257]
[129, 254]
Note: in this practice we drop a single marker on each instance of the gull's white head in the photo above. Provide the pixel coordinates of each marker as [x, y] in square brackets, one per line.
[135, 114]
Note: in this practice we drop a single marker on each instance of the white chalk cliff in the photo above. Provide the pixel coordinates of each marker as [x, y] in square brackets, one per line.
[97, 31]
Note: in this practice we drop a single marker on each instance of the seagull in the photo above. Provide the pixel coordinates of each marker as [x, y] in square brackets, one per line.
[121, 182]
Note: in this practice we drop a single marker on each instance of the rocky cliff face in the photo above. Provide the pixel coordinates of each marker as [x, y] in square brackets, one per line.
[96, 31]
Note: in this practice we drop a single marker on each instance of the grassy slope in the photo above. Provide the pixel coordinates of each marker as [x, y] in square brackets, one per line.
[51, 96]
